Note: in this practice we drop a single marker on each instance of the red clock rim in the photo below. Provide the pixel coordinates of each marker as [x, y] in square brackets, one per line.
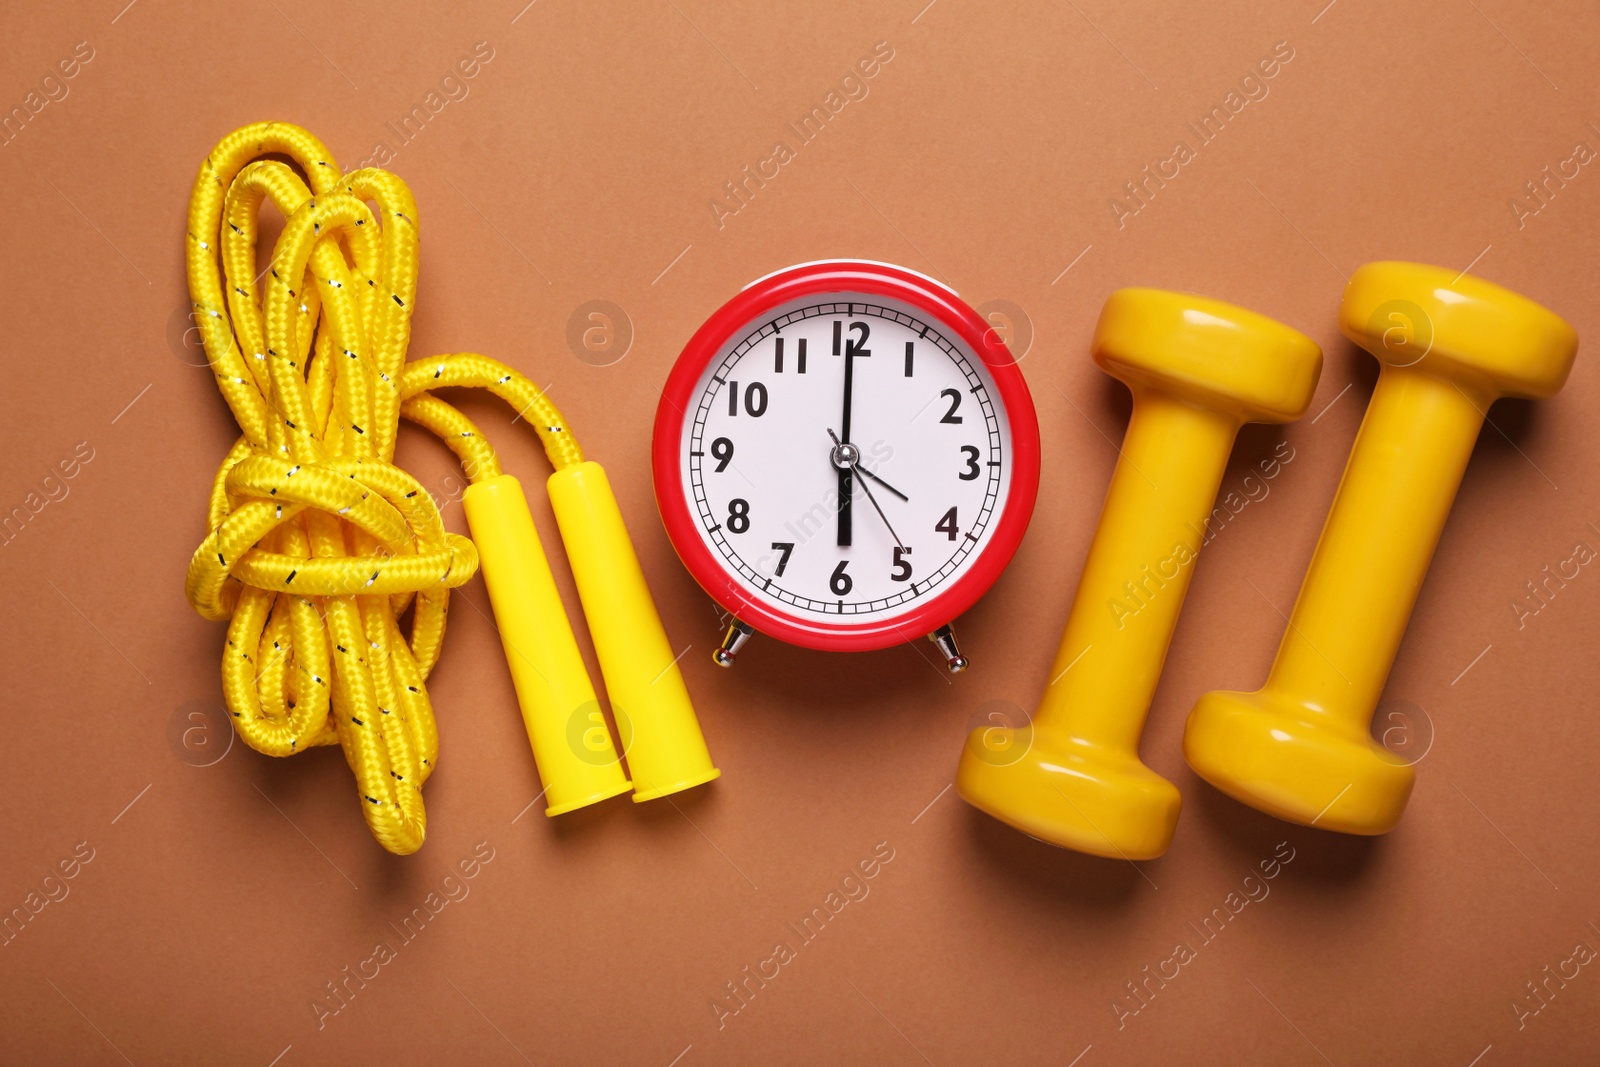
[872, 279]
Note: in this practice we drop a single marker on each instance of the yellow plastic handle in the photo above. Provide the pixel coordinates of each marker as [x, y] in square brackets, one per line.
[571, 745]
[661, 737]
[1198, 370]
[1449, 345]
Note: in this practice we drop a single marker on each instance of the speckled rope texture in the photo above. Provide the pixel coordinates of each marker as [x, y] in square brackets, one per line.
[318, 542]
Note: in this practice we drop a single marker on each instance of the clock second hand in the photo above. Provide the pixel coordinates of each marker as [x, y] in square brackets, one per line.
[852, 466]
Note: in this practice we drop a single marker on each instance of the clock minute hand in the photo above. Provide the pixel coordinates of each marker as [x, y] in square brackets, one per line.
[846, 471]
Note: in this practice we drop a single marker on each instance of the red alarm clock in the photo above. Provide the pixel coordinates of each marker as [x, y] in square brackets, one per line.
[846, 457]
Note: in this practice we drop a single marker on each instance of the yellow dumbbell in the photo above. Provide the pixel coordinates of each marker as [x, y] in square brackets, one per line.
[1198, 369]
[1449, 345]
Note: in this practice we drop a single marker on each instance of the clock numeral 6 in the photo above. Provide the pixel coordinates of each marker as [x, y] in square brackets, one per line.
[840, 582]
[739, 516]
[755, 399]
[722, 452]
[947, 524]
[902, 566]
[969, 451]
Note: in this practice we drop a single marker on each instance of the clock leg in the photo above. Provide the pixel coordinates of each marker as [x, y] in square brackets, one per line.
[945, 638]
[738, 634]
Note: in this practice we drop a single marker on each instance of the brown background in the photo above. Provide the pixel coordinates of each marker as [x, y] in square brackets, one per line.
[580, 167]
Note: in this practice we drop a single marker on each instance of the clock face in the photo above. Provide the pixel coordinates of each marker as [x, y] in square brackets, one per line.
[844, 458]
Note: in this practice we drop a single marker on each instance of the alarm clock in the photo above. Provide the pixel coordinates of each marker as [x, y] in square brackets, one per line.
[845, 457]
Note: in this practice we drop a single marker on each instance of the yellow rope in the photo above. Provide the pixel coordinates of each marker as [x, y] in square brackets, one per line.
[318, 542]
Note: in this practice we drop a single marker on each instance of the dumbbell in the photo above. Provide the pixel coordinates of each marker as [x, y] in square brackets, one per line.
[1449, 345]
[1198, 369]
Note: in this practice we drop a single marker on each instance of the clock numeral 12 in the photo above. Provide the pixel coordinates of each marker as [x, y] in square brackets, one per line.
[857, 346]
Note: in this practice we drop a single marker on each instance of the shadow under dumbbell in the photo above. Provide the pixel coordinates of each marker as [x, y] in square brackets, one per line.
[1039, 869]
[1249, 836]
[1514, 427]
[1363, 370]
[1113, 402]
[1516, 421]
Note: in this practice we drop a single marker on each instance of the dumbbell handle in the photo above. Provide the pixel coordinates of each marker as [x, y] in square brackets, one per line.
[1379, 538]
[1138, 570]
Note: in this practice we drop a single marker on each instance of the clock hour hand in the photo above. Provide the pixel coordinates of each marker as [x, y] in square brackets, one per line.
[846, 491]
[866, 473]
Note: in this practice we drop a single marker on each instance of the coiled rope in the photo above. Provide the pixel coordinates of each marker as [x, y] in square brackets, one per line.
[319, 543]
